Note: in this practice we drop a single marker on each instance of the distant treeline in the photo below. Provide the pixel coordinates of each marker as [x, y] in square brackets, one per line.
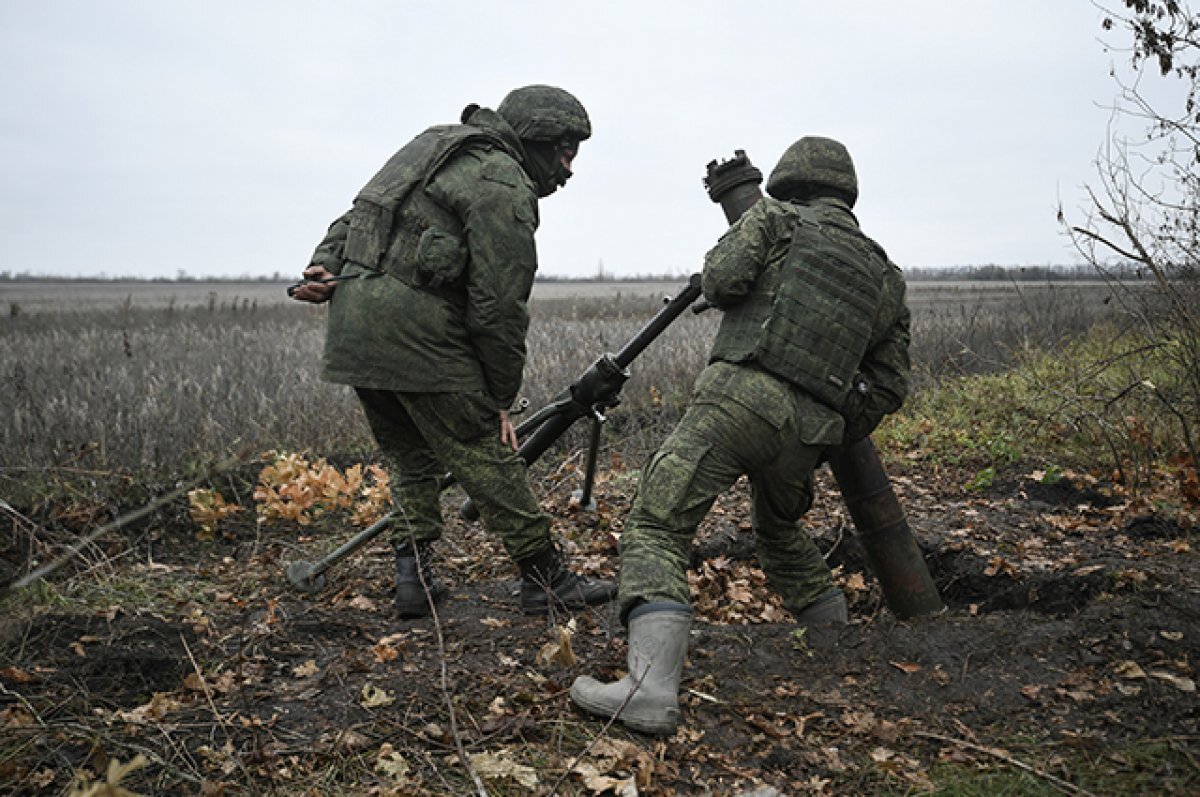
[916, 274]
[25, 276]
[988, 273]
[994, 273]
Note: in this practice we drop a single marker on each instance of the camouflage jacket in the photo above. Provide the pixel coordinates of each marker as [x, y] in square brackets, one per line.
[447, 311]
[741, 276]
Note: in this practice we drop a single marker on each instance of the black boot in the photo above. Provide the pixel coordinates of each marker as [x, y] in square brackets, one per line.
[546, 580]
[412, 567]
[828, 609]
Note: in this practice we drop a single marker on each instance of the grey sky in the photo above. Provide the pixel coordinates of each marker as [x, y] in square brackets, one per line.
[220, 138]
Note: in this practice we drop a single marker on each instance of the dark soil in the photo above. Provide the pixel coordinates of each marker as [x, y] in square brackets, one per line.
[1069, 646]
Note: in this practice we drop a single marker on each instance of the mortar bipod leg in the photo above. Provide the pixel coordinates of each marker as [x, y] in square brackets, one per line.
[584, 495]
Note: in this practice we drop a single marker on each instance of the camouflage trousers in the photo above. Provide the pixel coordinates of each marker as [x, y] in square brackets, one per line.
[425, 435]
[741, 421]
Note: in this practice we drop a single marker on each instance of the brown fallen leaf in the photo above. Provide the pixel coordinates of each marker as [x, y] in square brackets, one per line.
[494, 766]
[18, 676]
[1130, 669]
[855, 583]
[384, 653]
[1178, 681]
[558, 651]
[307, 669]
[391, 763]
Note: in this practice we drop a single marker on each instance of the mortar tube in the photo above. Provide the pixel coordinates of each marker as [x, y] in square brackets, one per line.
[891, 549]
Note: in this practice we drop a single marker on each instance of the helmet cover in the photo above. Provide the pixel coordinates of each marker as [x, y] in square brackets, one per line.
[545, 113]
[814, 162]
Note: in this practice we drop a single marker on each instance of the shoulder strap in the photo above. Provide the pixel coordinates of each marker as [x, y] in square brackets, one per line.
[373, 216]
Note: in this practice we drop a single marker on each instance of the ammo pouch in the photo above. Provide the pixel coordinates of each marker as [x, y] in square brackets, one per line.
[441, 258]
[823, 312]
[370, 231]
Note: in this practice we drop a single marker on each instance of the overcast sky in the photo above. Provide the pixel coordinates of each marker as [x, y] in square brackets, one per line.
[220, 138]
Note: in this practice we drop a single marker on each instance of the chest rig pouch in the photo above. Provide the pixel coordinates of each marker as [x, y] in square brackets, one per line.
[824, 310]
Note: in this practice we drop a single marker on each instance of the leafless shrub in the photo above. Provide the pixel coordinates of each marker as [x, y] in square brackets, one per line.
[1141, 228]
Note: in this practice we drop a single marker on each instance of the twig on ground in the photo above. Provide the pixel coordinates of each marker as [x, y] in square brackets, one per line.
[841, 531]
[1057, 782]
[157, 759]
[28, 706]
[637, 684]
[204, 685]
[75, 549]
[211, 703]
[93, 735]
[444, 679]
[7, 507]
[179, 752]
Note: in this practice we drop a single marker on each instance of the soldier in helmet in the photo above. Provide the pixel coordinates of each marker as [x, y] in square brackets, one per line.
[812, 351]
[427, 321]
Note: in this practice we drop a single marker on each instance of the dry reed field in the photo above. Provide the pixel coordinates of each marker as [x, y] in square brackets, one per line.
[158, 378]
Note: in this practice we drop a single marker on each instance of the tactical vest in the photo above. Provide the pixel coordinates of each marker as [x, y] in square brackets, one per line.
[374, 216]
[810, 321]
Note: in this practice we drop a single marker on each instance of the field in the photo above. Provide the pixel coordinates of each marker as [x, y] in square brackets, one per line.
[164, 376]
[1065, 662]
[108, 295]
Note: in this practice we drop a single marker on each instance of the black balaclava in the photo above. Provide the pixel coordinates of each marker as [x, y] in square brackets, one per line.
[543, 163]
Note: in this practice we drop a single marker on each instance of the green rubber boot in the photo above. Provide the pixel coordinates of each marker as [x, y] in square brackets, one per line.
[647, 698]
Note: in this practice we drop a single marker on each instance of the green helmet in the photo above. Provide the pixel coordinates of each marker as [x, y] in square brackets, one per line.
[545, 113]
[814, 162]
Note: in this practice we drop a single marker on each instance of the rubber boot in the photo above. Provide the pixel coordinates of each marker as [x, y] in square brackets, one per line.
[412, 567]
[545, 580]
[658, 641]
[828, 610]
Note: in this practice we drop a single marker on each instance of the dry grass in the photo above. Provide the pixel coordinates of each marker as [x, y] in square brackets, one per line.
[162, 390]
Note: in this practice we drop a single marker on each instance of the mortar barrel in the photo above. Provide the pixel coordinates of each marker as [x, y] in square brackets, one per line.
[883, 530]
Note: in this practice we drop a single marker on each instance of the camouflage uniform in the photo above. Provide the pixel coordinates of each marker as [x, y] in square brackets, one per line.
[432, 334]
[811, 352]
[746, 419]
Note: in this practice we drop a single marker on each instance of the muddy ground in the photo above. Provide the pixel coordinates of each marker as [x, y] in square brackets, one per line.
[1065, 662]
